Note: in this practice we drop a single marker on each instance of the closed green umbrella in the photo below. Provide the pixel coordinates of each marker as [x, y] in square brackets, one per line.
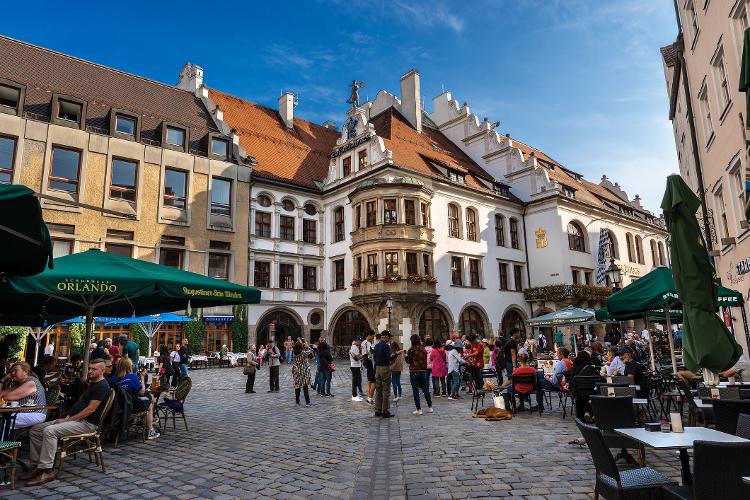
[707, 342]
[568, 316]
[26, 246]
[105, 284]
[745, 87]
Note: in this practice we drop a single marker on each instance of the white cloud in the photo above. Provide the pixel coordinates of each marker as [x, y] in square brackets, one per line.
[428, 14]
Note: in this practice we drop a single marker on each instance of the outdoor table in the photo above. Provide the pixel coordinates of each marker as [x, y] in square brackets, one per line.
[682, 441]
[640, 401]
[7, 412]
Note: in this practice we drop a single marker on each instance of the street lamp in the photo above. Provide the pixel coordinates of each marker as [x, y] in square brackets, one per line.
[613, 273]
[389, 306]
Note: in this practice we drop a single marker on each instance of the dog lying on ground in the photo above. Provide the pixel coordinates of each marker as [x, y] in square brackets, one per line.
[493, 414]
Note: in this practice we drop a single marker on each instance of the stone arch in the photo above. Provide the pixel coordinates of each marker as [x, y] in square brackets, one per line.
[613, 247]
[465, 319]
[265, 193]
[290, 321]
[317, 206]
[578, 231]
[425, 326]
[507, 321]
[357, 324]
[294, 201]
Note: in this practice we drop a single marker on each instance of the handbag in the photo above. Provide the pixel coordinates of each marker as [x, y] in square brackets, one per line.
[249, 370]
[332, 367]
[499, 402]
[162, 371]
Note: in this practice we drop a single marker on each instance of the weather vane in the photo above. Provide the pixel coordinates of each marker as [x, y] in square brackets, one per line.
[354, 99]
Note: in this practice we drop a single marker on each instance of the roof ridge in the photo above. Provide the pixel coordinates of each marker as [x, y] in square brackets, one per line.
[92, 63]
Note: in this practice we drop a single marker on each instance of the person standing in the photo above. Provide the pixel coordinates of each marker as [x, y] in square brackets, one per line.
[366, 349]
[428, 343]
[325, 369]
[184, 358]
[383, 358]
[174, 357]
[250, 369]
[397, 366]
[558, 339]
[455, 360]
[164, 369]
[511, 351]
[439, 369]
[288, 345]
[131, 350]
[355, 364]
[274, 355]
[301, 370]
[417, 359]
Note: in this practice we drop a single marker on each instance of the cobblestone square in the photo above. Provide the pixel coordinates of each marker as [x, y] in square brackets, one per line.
[263, 446]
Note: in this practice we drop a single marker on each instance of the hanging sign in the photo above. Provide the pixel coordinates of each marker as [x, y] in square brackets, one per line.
[743, 266]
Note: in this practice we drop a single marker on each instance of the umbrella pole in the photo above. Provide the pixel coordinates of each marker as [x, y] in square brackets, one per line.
[36, 346]
[671, 343]
[744, 323]
[650, 345]
[87, 341]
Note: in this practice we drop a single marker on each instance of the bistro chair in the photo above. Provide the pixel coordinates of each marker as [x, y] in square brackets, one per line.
[525, 379]
[582, 388]
[605, 390]
[89, 442]
[743, 425]
[718, 472]
[175, 407]
[642, 483]
[727, 412]
[9, 447]
[619, 379]
[724, 393]
[617, 412]
[687, 398]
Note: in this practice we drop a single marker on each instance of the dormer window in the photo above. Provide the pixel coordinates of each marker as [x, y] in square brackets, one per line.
[568, 192]
[219, 147]
[502, 189]
[11, 96]
[174, 136]
[68, 111]
[456, 176]
[124, 125]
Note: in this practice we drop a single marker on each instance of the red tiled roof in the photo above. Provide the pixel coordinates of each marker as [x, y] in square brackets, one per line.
[298, 155]
[45, 72]
[669, 53]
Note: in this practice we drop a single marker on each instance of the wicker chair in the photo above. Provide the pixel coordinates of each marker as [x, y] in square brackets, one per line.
[89, 442]
[617, 412]
[174, 410]
[135, 421]
[719, 468]
[9, 452]
[743, 425]
[529, 379]
[727, 412]
[604, 390]
[642, 483]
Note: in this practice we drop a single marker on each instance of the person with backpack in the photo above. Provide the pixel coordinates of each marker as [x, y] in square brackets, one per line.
[498, 361]
[417, 359]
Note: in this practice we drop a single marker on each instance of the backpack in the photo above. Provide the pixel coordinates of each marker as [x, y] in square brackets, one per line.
[499, 360]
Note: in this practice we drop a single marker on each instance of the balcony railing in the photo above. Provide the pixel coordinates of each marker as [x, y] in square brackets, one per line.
[398, 231]
[561, 292]
[401, 284]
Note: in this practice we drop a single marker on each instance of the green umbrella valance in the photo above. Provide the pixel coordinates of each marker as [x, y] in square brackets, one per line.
[567, 316]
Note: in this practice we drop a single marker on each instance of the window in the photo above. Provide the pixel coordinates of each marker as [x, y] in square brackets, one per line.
[456, 271]
[362, 159]
[346, 166]
[10, 99]
[426, 264]
[425, 210]
[171, 257]
[499, 230]
[338, 274]
[587, 277]
[175, 136]
[309, 231]
[372, 265]
[264, 201]
[433, 324]
[61, 228]
[574, 273]
[692, 21]
[389, 212]
[654, 258]
[122, 186]
[61, 248]
[357, 217]
[568, 192]
[263, 224]
[411, 263]
[629, 245]
[218, 263]
[474, 273]
[309, 278]
[220, 147]
[409, 213]
[7, 159]
[69, 111]
[371, 213]
[262, 274]
[721, 82]
[612, 246]
[456, 177]
[309, 208]
[639, 250]
[66, 164]
[722, 209]
[708, 128]
[575, 238]
[662, 260]
[471, 225]
[119, 249]
[338, 224]
[120, 235]
[175, 192]
[391, 263]
[471, 322]
[358, 267]
[518, 278]
[221, 196]
[453, 227]
[514, 243]
[287, 205]
[503, 267]
[125, 125]
[286, 228]
[286, 276]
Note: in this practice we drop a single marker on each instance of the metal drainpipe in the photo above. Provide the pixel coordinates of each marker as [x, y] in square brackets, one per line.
[526, 246]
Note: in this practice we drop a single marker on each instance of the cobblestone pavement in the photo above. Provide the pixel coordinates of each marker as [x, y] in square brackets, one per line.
[262, 445]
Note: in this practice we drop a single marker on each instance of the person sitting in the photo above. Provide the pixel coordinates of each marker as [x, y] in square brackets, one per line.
[524, 389]
[614, 365]
[83, 418]
[553, 381]
[47, 372]
[135, 385]
[582, 366]
[27, 391]
[632, 367]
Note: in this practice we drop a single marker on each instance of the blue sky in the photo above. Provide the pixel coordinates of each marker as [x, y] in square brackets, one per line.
[580, 79]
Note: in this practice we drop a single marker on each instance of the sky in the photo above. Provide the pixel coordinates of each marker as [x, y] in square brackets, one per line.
[581, 80]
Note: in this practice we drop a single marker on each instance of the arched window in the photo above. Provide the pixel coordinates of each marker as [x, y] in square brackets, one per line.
[471, 224]
[512, 319]
[576, 241]
[471, 322]
[350, 325]
[612, 246]
[284, 325]
[654, 258]
[662, 260]
[629, 244]
[454, 230]
[264, 200]
[500, 230]
[287, 205]
[514, 241]
[434, 324]
[639, 250]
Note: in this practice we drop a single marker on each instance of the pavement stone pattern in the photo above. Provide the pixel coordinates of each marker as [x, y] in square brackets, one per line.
[263, 446]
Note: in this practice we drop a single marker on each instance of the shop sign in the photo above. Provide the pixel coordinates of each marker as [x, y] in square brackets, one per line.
[743, 266]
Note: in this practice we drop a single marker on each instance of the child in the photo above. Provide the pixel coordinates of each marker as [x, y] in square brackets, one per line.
[397, 366]
[261, 354]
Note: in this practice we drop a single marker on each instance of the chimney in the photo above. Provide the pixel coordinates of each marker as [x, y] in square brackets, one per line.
[411, 106]
[191, 77]
[286, 109]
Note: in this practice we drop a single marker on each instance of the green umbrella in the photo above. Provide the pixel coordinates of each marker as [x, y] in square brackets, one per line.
[26, 247]
[707, 342]
[568, 316]
[604, 314]
[745, 87]
[112, 285]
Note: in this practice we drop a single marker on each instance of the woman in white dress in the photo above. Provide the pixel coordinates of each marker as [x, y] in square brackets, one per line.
[27, 390]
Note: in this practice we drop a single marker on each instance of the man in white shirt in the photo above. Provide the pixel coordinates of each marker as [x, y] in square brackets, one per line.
[355, 362]
[616, 366]
[365, 350]
[49, 350]
[645, 335]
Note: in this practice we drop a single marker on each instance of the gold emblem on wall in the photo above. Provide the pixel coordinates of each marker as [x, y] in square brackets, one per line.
[541, 238]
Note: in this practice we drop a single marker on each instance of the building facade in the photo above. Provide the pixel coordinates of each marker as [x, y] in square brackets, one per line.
[708, 117]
